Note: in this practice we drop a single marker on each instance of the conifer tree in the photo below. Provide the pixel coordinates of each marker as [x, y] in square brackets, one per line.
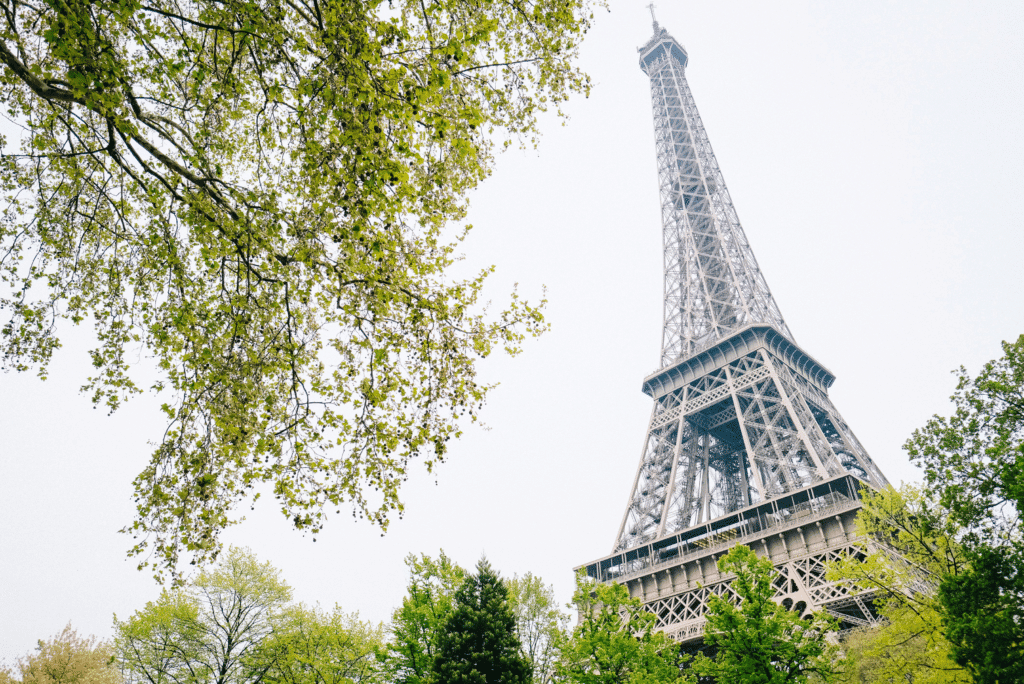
[479, 644]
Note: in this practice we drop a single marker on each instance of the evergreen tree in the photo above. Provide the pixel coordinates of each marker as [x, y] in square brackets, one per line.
[479, 644]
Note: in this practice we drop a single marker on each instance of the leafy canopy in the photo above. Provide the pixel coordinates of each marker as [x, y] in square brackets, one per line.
[253, 197]
[539, 623]
[974, 461]
[416, 626]
[65, 658]
[211, 631]
[757, 640]
[235, 624]
[313, 646]
[911, 545]
[615, 641]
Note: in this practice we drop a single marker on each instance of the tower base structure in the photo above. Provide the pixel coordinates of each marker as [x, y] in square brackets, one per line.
[675, 575]
[744, 447]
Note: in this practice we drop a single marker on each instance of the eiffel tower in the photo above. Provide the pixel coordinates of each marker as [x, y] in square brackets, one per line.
[744, 444]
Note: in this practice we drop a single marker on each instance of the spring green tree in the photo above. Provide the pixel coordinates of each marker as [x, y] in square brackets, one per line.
[65, 658]
[256, 197]
[757, 640]
[417, 623]
[211, 631]
[478, 643]
[313, 646]
[615, 641]
[539, 623]
[974, 461]
[911, 545]
[235, 623]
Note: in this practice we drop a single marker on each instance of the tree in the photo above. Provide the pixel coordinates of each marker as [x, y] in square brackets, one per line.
[255, 196]
[757, 640]
[234, 624]
[911, 546]
[974, 461]
[983, 611]
[310, 646]
[66, 658]
[615, 641]
[417, 624]
[478, 644]
[539, 623]
[903, 649]
[210, 632]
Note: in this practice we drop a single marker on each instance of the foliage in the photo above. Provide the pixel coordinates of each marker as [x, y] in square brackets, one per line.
[983, 611]
[758, 641]
[66, 658]
[615, 641]
[310, 646]
[974, 461]
[907, 646]
[912, 546]
[478, 644]
[210, 632]
[254, 196]
[539, 623]
[415, 627]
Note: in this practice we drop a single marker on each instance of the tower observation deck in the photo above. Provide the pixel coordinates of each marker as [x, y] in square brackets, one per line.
[744, 444]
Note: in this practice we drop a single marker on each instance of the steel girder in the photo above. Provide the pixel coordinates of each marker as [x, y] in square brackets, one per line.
[800, 585]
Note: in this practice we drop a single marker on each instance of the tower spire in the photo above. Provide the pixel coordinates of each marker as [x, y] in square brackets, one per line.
[713, 285]
[744, 444]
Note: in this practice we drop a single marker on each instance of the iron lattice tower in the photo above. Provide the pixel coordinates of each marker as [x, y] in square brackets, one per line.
[744, 444]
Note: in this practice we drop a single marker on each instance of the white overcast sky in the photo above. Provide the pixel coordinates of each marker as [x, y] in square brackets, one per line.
[875, 153]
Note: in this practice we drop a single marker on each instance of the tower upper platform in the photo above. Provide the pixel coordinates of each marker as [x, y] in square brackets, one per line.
[661, 45]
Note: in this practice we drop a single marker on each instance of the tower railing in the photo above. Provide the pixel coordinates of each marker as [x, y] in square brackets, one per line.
[775, 515]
